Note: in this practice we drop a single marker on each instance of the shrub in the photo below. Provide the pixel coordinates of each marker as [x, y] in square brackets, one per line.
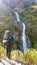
[30, 57]
[16, 54]
[2, 52]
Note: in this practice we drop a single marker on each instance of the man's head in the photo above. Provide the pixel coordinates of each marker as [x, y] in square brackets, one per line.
[7, 32]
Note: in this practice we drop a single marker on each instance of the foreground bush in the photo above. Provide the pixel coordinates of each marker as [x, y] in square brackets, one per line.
[2, 52]
[30, 57]
[16, 54]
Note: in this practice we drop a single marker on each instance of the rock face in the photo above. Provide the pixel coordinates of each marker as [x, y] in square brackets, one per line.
[20, 3]
[6, 61]
[14, 3]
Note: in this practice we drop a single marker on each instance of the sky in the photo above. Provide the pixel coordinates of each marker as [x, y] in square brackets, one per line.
[0, 1]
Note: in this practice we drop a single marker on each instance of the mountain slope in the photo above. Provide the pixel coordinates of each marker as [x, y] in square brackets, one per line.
[29, 16]
[5, 14]
[20, 3]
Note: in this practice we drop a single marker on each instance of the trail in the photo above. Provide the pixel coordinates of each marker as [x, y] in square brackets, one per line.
[7, 61]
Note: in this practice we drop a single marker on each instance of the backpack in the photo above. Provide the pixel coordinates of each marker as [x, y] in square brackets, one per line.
[12, 38]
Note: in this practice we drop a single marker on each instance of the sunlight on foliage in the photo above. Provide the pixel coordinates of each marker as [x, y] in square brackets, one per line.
[16, 54]
[30, 57]
[34, 6]
[2, 52]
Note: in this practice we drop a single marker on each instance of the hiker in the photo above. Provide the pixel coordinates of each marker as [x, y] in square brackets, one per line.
[6, 38]
[7, 42]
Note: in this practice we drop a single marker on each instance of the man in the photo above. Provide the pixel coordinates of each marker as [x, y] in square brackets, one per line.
[7, 42]
[6, 38]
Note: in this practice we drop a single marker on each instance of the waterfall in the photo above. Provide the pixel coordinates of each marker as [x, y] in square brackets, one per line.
[23, 34]
[17, 16]
[24, 39]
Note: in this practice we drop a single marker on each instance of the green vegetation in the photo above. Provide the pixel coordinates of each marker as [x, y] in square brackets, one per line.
[9, 25]
[30, 57]
[34, 6]
[16, 54]
[29, 17]
[2, 52]
[6, 20]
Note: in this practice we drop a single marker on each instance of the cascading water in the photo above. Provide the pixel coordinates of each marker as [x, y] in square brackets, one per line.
[17, 17]
[24, 40]
[23, 34]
